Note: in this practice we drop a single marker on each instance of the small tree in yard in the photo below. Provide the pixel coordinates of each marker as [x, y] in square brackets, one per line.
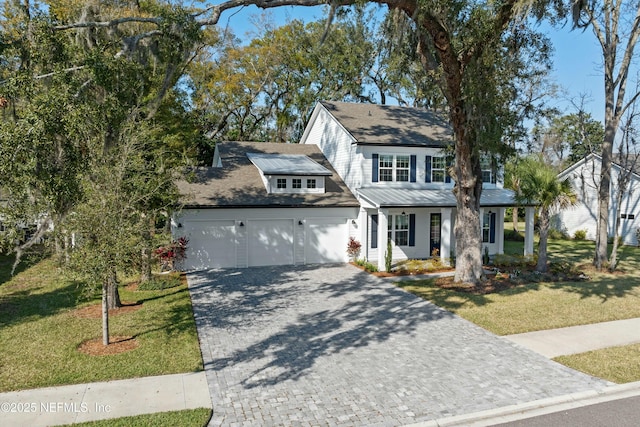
[539, 184]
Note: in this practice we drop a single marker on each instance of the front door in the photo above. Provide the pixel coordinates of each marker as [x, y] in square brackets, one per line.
[434, 233]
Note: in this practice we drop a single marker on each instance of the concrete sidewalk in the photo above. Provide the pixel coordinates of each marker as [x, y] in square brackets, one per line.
[96, 401]
[579, 339]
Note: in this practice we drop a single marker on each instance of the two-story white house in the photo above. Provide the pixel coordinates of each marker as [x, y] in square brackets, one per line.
[396, 161]
[372, 172]
[585, 179]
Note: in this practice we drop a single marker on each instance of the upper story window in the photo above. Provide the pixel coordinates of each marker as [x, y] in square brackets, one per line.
[402, 168]
[390, 168]
[281, 183]
[296, 183]
[488, 170]
[311, 183]
[386, 167]
[436, 169]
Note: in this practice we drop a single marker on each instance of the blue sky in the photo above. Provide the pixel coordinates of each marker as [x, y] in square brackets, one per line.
[577, 58]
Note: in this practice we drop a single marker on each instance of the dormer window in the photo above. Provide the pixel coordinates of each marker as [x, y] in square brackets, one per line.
[290, 173]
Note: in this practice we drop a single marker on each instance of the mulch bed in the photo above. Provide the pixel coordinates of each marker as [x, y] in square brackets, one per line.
[117, 345]
[95, 311]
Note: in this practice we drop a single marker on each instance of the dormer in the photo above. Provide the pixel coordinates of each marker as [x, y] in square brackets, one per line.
[290, 173]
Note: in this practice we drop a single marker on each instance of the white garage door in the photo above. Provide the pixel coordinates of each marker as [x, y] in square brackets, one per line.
[270, 242]
[212, 244]
[326, 241]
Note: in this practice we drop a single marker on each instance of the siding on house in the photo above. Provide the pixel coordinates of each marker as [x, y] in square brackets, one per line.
[584, 176]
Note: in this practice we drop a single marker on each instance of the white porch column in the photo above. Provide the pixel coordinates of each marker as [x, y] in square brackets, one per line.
[383, 219]
[364, 240]
[528, 230]
[500, 230]
[445, 235]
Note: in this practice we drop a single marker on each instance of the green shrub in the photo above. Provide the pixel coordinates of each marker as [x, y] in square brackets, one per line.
[513, 236]
[558, 234]
[158, 283]
[580, 235]
[370, 267]
[504, 260]
[388, 256]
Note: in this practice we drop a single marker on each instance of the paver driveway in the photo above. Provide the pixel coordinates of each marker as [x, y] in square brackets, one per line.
[331, 345]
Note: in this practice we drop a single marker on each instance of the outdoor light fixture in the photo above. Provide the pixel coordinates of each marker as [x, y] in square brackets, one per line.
[300, 222]
[353, 221]
[179, 225]
[241, 224]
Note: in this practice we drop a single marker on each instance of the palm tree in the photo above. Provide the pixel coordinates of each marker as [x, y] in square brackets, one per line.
[539, 185]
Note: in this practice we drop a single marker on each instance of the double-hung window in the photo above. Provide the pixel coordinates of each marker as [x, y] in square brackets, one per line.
[390, 168]
[438, 169]
[296, 183]
[386, 167]
[311, 183]
[487, 170]
[398, 229]
[402, 168]
[489, 227]
[281, 183]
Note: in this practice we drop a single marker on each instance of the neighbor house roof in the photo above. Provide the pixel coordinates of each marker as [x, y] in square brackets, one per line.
[238, 182]
[409, 197]
[630, 162]
[391, 125]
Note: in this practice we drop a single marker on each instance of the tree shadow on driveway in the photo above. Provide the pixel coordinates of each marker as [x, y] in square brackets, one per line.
[282, 321]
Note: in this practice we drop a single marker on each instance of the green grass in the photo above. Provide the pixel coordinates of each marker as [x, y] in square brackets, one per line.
[616, 364]
[187, 418]
[548, 305]
[39, 333]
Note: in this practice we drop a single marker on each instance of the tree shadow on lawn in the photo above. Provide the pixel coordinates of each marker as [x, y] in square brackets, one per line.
[452, 298]
[604, 287]
[311, 319]
[26, 304]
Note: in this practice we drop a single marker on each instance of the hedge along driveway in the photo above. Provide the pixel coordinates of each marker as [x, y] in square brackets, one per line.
[335, 345]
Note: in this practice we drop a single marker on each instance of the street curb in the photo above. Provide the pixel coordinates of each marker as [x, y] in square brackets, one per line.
[536, 408]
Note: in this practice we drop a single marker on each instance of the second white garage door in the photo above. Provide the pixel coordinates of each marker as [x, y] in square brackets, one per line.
[326, 240]
[270, 242]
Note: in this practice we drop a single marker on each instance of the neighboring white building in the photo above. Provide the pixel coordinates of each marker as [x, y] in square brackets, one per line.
[585, 177]
[372, 172]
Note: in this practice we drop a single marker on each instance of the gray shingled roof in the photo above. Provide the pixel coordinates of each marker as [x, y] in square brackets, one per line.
[238, 183]
[399, 197]
[392, 125]
[287, 164]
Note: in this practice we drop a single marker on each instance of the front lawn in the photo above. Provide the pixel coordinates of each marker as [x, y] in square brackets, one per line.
[41, 329]
[616, 364]
[539, 306]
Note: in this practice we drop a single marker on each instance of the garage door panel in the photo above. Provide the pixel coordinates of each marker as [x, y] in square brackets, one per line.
[211, 244]
[270, 242]
[326, 241]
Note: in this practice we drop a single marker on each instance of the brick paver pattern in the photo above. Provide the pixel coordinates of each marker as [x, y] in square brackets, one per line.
[334, 346]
